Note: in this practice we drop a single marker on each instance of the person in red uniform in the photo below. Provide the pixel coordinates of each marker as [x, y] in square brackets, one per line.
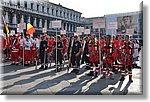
[65, 44]
[107, 60]
[15, 50]
[127, 58]
[3, 47]
[93, 56]
[34, 53]
[115, 55]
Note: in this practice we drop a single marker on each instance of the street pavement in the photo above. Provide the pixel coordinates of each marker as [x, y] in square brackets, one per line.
[28, 80]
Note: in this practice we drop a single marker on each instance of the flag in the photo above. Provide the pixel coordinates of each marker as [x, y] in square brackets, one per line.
[30, 29]
[6, 31]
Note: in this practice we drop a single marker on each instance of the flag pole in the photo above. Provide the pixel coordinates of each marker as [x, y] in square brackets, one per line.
[100, 49]
[56, 49]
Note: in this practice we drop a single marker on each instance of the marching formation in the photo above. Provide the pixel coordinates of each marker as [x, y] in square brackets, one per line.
[102, 56]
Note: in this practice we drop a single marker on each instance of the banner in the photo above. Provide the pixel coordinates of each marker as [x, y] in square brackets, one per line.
[112, 25]
[63, 32]
[56, 24]
[99, 23]
[130, 31]
[22, 26]
[87, 31]
[80, 29]
[19, 30]
[12, 32]
[44, 30]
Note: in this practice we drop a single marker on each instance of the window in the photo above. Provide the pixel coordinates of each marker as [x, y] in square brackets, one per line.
[43, 9]
[48, 10]
[52, 11]
[60, 14]
[31, 5]
[70, 16]
[25, 4]
[37, 7]
[67, 15]
[18, 3]
[64, 14]
[56, 12]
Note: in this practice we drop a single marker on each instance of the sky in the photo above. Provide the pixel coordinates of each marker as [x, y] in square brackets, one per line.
[96, 8]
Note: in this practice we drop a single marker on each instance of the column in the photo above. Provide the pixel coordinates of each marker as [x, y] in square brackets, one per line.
[22, 19]
[29, 19]
[69, 27]
[28, 4]
[75, 26]
[34, 23]
[6, 17]
[14, 19]
[45, 24]
[66, 27]
[40, 23]
[34, 6]
[50, 25]
[72, 28]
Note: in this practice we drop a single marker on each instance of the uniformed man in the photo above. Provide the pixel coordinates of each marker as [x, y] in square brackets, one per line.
[93, 56]
[15, 51]
[59, 48]
[43, 53]
[68, 51]
[127, 58]
[3, 47]
[85, 51]
[107, 60]
[27, 51]
[76, 50]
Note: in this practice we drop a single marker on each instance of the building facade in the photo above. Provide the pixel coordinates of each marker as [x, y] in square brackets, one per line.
[130, 20]
[40, 13]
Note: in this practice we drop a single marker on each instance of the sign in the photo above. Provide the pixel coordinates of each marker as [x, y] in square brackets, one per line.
[12, 32]
[80, 29]
[63, 32]
[87, 31]
[22, 26]
[76, 33]
[44, 30]
[19, 30]
[112, 25]
[56, 24]
[130, 31]
[1, 32]
[99, 23]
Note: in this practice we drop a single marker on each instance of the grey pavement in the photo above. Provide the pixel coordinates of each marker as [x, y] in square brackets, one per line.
[27, 80]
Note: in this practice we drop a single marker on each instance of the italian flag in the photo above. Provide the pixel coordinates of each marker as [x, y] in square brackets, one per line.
[30, 29]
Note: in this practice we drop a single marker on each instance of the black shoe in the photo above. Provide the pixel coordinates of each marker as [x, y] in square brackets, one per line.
[130, 80]
[75, 71]
[46, 67]
[60, 68]
[95, 75]
[17, 64]
[116, 72]
[87, 67]
[57, 69]
[103, 77]
[111, 78]
[122, 79]
[42, 67]
[12, 64]
[91, 73]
